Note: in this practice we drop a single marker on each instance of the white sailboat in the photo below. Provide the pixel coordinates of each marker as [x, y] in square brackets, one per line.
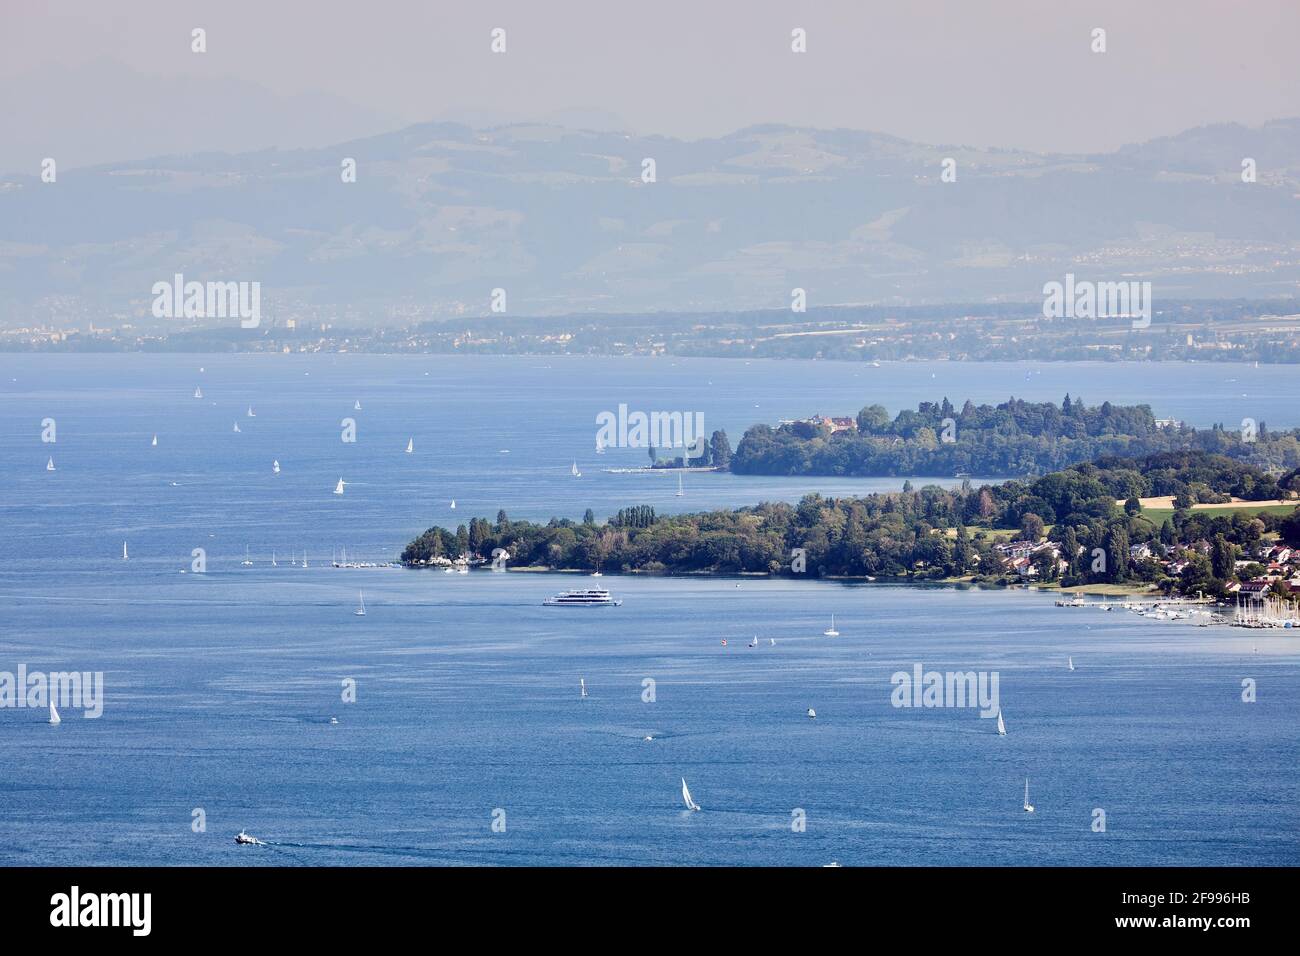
[754, 642]
[686, 796]
[54, 715]
[154, 443]
[680, 490]
[600, 446]
[356, 406]
[275, 467]
[574, 471]
[124, 555]
[830, 631]
[338, 489]
[251, 413]
[1002, 728]
[198, 393]
[1029, 807]
[361, 606]
[236, 426]
[49, 465]
[1070, 661]
[582, 687]
[247, 562]
[812, 714]
[410, 445]
[273, 564]
[304, 557]
[453, 504]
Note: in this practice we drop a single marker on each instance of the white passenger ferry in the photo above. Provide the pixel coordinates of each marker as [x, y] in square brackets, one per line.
[583, 597]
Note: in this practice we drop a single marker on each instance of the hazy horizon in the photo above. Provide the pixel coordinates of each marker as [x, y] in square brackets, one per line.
[92, 85]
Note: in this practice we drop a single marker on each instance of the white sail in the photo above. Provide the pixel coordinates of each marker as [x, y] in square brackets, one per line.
[680, 490]
[582, 687]
[275, 467]
[338, 489]
[198, 393]
[361, 605]
[1002, 728]
[356, 406]
[410, 445]
[273, 564]
[124, 555]
[830, 631]
[49, 465]
[236, 426]
[54, 715]
[304, 557]
[574, 471]
[1029, 807]
[686, 796]
[453, 504]
[250, 412]
[154, 443]
[1070, 661]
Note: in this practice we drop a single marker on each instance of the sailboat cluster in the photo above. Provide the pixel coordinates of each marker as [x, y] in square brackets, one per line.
[1264, 612]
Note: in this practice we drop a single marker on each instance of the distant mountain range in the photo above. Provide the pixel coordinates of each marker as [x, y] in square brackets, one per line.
[441, 214]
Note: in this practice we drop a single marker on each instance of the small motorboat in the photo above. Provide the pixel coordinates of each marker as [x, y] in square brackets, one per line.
[244, 839]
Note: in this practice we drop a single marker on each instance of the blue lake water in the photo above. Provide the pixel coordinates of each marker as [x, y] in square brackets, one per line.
[220, 687]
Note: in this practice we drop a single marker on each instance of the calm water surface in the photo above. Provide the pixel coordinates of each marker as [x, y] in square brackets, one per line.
[220, 687]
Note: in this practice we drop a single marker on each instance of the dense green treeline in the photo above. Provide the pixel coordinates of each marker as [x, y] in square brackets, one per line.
[925, 533]
[1014, 438]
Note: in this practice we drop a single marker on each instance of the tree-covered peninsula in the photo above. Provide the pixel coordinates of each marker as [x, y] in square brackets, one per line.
[1015, 438]
[1082, 525]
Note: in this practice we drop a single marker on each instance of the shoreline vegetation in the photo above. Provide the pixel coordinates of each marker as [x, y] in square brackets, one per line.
[1013, 438]
[1077, 528]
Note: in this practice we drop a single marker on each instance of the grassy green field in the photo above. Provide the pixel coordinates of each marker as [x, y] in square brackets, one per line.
[992, 534]
[1103, 589]
[1157, 516]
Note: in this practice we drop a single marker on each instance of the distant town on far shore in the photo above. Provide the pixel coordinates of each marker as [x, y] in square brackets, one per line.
[1191, 330]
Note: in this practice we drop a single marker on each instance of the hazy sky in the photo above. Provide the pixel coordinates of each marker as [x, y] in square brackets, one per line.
[1015, 73]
